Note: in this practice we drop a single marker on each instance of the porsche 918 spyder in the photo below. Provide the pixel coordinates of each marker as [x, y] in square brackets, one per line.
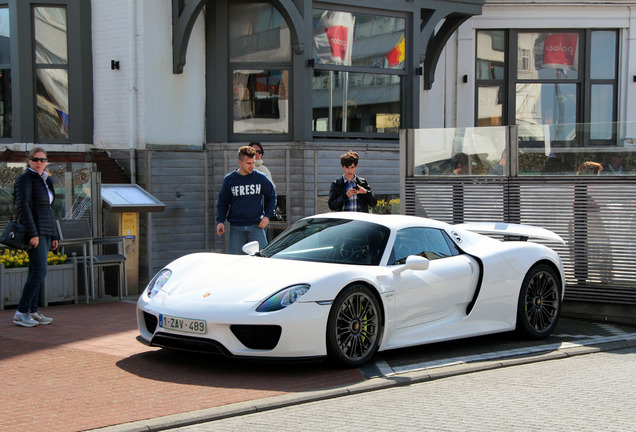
[343, 286]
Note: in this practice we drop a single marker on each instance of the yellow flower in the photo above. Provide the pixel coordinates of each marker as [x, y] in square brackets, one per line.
[13, 259]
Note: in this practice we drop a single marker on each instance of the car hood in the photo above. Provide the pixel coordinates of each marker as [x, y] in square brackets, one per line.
[221, 278]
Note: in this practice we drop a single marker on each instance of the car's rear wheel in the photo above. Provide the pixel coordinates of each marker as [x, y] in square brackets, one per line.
[539, 302]
[354, 327]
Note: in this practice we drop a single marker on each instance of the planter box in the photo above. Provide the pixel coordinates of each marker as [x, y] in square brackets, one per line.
[60, 284]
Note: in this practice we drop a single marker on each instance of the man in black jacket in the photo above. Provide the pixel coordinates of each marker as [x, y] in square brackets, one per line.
[350, 192]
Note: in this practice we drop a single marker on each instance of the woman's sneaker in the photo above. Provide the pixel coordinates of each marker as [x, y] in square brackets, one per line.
[40, 319]
[24, 320]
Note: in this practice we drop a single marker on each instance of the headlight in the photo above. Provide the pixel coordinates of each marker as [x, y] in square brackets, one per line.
[283, 298]
[158, 282]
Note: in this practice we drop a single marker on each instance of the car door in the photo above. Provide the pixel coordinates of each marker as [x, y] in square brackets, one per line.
[442, 290]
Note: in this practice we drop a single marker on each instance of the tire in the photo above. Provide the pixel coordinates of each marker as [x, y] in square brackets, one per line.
[354, 327]
[539, 303]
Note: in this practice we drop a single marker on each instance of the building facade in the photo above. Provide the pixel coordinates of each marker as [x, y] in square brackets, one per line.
[171, 88]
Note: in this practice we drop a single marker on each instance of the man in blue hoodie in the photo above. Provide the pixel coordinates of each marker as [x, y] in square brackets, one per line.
[247, 200]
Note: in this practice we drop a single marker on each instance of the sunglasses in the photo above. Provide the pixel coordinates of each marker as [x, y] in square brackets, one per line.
[259, 151]
[34, 159]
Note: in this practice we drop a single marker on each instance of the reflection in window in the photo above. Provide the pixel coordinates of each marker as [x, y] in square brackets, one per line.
[50, 35]
[556, 55]
[356, 102]
[426, 242]
[490, 55]
[5, 36]
[490, 105]
[51, 55]
[603, 54]
[260, 101]
[52, 103]
[258, 33]
[601, 126]
[5, 74]
[546, 104]
[359, 39]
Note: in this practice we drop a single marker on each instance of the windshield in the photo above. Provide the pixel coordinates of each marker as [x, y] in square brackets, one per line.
[340, 241]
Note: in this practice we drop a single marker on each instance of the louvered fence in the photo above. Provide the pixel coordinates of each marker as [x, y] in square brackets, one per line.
[595, 215]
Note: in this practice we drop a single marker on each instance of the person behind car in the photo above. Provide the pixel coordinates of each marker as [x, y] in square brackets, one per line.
[247, 200]
[258, 160]
[590, 168]
[351, 192]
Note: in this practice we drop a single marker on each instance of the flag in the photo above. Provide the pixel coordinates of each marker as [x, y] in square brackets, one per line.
[63, 119]
[333, 37]
[397, 54]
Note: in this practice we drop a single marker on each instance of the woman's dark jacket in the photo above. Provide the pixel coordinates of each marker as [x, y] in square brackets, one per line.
[32, 205]
[338, 195]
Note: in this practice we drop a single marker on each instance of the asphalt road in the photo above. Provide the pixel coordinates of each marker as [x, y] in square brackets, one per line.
[580, 378]
[593, 392]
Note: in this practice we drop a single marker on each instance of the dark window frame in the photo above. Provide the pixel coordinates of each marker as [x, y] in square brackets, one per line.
[236, 65]
[403, 73]
[80, 71]
[583, 82]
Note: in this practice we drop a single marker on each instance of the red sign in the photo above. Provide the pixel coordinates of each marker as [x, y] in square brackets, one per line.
[338, 36]
[560, 50]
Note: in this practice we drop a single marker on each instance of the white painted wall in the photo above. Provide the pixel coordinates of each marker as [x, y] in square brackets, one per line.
[144, 102]
[111, 41]
[174, 103]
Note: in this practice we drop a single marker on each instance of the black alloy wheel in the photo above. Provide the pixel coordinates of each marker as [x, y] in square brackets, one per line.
[354, 327]
[539, 302]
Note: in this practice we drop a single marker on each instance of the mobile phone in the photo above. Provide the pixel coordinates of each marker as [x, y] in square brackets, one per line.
[356, 187]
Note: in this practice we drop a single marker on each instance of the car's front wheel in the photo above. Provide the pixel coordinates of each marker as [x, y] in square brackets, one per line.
[354, 327]
[539, 302]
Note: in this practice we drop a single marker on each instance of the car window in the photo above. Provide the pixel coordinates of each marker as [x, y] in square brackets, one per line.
[427, 242]
[330, 240]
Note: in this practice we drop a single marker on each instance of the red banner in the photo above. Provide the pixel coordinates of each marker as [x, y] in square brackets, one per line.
[560, 50]
[338, 37]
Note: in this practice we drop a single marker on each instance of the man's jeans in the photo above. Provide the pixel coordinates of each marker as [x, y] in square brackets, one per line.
[35, 277]
[239, 235]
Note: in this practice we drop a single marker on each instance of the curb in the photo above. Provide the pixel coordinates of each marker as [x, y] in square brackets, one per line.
[380, 383]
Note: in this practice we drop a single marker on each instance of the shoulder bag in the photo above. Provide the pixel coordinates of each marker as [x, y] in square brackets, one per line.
[14, 235]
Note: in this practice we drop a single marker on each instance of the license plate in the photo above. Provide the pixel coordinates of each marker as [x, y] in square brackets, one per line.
[182, 324]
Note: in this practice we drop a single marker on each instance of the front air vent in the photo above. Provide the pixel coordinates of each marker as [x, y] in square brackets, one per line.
[151, 322]
[263, 337]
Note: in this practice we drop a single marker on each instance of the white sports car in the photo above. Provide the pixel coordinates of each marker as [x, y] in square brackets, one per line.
[345, 285]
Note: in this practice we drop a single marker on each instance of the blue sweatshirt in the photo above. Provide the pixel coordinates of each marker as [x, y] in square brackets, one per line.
[245, 199]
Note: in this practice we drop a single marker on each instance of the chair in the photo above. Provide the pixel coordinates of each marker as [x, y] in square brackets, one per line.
[78, 232]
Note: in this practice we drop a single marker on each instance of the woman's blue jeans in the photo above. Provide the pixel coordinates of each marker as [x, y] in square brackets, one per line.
[37, 273]
[239, 235]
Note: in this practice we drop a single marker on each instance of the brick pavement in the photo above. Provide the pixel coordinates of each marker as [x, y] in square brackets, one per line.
[86, 371]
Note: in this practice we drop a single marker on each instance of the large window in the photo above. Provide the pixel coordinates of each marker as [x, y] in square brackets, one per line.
[5, 73]
[260, 61]
[359, 61]
[51, 66]
[49, 51]
[549, 77]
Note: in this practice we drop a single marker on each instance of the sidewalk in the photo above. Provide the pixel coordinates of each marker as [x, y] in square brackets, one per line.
[89, 372]
[86, 370]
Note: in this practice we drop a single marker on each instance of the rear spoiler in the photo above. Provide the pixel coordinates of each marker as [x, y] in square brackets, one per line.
[523, 231]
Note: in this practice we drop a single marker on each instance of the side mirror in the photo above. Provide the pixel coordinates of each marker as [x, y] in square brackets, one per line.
[251, 248]
[413, 262]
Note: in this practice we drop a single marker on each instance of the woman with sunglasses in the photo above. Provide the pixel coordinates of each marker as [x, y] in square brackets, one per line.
[258, 160]
[34, 194]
